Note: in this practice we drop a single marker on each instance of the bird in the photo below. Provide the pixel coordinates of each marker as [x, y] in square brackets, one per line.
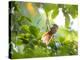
[46, 37]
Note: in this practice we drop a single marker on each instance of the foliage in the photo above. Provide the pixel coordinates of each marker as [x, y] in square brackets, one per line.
[28, 26]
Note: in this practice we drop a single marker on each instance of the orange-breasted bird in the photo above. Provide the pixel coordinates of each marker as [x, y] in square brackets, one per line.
[48, 35]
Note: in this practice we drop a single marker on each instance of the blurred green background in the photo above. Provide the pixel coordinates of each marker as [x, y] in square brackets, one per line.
[29, 21]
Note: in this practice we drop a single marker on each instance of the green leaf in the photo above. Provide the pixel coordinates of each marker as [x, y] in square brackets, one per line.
[55, 13]
[19, 42]
[24, 17]
[25, 28]
[67, 20]
[49, 7]
[34, 30]
[72, 10]
[61, 38]
[21, 18]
